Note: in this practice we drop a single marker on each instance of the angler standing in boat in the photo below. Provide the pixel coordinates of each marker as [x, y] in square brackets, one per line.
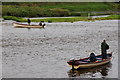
[104, 48]
[29, 21]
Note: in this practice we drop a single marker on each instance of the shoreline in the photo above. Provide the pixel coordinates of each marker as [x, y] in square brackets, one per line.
[63, 19]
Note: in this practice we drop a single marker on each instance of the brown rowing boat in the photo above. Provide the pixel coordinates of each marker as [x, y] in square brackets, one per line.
[19, 25]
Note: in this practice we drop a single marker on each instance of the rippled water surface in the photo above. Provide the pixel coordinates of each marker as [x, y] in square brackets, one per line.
[43, 53]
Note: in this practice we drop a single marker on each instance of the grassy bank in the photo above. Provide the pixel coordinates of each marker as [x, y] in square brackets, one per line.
[112, 17]
[72, 19]
[57, 9]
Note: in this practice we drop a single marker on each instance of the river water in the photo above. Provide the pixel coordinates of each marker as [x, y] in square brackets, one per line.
[43, 53]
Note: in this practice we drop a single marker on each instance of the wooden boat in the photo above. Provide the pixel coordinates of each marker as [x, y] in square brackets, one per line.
[85, 62]
[103, 69]
[19, 25]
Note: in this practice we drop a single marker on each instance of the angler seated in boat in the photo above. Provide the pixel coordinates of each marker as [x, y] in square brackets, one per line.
[40, 24]
[92, 57]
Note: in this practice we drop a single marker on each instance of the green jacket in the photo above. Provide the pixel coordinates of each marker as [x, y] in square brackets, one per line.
[104, 46]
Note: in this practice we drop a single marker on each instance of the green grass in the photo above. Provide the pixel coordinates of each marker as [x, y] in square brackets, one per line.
[61, 19]
[109, 17]
[18, 19]
[73, 19]
[52, 9]
[92, 6]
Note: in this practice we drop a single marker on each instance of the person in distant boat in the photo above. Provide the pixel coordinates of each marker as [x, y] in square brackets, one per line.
[29, 21]
[104, 48]
[92, 57]
[40, 24]
[43, 25]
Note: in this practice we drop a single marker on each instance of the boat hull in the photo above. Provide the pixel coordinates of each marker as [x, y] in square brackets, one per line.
[90, 65]
[18, 25]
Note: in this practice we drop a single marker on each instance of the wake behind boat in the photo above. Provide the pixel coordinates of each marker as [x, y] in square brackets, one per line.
[19, 25]
[85, 62]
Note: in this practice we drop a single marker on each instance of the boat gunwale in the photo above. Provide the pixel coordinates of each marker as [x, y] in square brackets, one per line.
[96, 62]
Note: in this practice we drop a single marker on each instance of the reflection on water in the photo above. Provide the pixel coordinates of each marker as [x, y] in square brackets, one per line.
[103, 70]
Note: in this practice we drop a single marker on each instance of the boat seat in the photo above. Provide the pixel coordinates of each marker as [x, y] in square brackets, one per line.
[86, 60]
[98, 58]
[82, 62]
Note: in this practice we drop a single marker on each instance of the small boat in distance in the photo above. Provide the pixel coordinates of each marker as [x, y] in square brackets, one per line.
[85, 62]
[19, 25]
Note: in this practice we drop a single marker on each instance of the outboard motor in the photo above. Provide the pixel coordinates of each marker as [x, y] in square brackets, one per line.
[73, 63]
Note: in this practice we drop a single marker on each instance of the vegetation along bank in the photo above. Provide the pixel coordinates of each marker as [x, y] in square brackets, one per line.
[17, 10]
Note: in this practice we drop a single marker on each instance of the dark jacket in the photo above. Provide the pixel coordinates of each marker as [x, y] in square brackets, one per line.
[40, 23]
[104, 48]
[92, 57]
[29, 21]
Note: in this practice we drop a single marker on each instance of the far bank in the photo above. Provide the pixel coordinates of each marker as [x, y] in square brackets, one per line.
[62, 19]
